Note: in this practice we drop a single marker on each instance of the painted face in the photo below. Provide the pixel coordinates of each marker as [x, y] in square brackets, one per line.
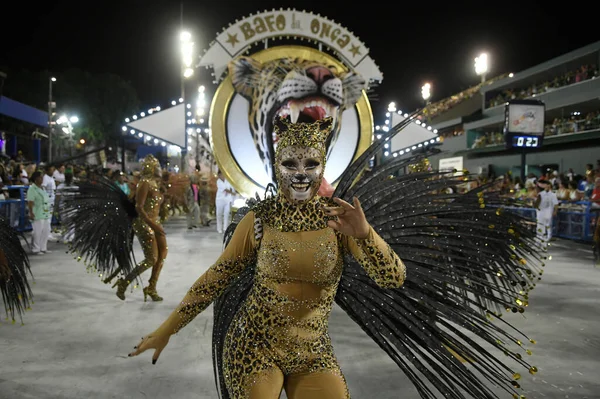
[299, 173]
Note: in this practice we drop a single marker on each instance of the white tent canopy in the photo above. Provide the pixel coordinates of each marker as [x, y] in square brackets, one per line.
[415, 134]
[166, 125]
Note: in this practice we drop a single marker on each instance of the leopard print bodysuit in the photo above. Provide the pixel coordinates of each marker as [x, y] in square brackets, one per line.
[279, 337]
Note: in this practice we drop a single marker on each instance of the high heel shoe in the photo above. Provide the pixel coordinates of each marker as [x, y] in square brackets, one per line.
[149, 292]
[121, 285]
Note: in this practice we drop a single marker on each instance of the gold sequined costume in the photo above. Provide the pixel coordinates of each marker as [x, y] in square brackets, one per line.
[293, 255]
[279, 338]
[149, 199]
[281, 333]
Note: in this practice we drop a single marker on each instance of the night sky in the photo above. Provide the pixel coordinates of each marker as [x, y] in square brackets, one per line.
[411, 44]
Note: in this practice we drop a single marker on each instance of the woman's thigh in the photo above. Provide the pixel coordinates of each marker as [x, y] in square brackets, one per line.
[323, 384]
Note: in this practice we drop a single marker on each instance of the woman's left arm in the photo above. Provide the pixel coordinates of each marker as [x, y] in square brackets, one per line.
[378, 259]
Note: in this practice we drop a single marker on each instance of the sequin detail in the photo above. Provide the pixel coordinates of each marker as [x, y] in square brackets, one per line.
[283, 323]
[154, 198]
[312, 135]
[210, 286]
[378, 259]
[287, 217]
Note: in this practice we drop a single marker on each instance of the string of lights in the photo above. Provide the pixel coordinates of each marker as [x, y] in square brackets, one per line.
[381, 133]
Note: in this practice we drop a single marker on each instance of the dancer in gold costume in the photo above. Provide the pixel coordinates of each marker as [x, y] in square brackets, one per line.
[279, 338]
[294, 254]
[148, 229]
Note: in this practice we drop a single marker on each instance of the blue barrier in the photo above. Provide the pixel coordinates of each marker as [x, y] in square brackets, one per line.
[16, 212]
[570, 224]
[573, 224]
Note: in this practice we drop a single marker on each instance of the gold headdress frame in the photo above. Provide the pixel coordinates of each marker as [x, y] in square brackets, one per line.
[313, 135]
[222, 133]
[149, 164]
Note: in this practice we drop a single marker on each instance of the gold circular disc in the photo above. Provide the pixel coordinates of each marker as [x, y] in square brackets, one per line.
[224, 94]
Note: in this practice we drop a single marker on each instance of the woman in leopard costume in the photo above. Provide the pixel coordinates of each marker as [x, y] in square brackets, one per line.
[279, 339]
[289, 257]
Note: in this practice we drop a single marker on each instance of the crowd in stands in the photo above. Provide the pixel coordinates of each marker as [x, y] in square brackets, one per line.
[17, 172]
[581, 74]
[576, 123]
[570, 187]
[457, 131]
[434, 109]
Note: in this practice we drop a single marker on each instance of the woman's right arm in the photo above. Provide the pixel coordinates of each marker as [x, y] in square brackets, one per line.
[240, 252]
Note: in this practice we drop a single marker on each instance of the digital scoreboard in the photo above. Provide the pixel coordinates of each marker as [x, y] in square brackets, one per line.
[524, 124]
[526, 141]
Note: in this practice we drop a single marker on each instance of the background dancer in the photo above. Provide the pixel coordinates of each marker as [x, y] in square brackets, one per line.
[148, 229]
[546, 204]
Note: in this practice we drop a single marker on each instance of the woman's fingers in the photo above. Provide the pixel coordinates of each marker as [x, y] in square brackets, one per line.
[141, 347]
[149, 343]
[157, 353]
[343, 203]
[334, 210]
[334, 225]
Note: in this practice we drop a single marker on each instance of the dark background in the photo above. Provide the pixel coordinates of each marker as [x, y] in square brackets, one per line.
[412, 43]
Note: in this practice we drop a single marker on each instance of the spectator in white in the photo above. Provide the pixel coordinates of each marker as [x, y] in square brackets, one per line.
[19, 174]
[554, 179]
[59, 174]
[546, 205]
[24, 175]
[38, 203]
[49, 185]
[223, 202]
[531, 180]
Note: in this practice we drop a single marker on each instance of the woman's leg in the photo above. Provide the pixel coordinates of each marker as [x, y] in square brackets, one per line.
[36, 235]
[266, 385]
[147, 240]
[161, 244]
[325, 384]
[249, 371]
[45, 235]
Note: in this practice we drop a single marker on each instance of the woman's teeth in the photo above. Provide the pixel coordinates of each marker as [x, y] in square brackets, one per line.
[301, 186]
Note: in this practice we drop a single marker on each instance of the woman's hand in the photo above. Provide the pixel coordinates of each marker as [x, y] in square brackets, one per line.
[351, 219]
[156, 341]
[31, 216]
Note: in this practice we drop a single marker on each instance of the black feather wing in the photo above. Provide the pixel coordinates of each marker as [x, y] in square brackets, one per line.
[14, 273]
[100, 215]
[467, 261]
[227, 305]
